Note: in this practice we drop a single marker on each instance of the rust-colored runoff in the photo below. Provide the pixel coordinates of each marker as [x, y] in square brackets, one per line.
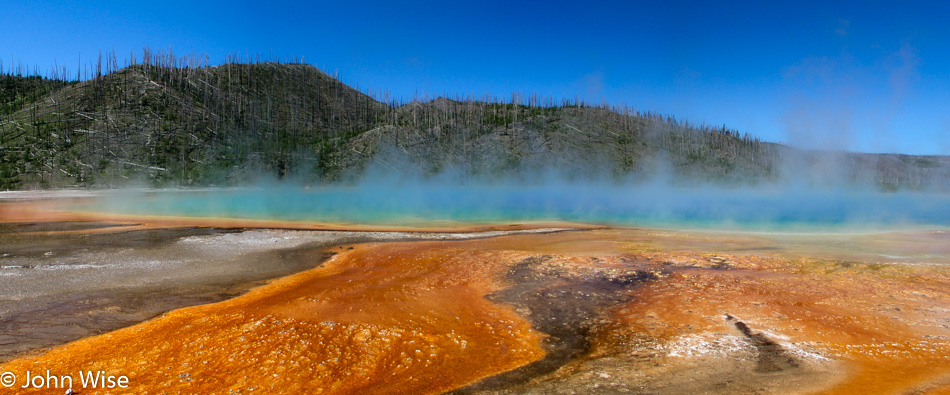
[413, 317]
[393, 318]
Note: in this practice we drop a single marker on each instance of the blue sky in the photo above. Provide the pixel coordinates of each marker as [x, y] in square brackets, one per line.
[864, 76]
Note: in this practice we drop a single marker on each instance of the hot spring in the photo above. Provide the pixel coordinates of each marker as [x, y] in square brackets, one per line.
[658, 206]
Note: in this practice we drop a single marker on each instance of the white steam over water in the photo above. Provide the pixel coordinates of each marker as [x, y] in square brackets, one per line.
[612, 203]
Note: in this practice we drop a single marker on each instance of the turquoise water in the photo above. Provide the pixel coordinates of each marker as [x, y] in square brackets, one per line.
[653, 206]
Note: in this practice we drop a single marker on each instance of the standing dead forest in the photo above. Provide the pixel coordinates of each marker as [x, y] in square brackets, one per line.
[159, 119]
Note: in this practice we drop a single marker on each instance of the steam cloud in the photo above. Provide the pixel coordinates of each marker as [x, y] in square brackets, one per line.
[392, 193]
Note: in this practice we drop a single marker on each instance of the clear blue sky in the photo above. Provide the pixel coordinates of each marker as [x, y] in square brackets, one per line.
[862, 76]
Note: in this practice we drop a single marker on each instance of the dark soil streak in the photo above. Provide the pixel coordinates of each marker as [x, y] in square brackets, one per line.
[771, 356]
[563, 304]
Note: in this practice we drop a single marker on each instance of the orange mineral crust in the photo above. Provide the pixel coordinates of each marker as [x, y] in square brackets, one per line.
[854, 327]
[392, 318]
[610, 310]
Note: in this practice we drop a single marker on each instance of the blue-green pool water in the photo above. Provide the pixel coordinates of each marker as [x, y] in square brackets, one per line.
[618, 205]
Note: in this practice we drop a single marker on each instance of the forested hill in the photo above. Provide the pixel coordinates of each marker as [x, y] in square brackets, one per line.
[168, 124]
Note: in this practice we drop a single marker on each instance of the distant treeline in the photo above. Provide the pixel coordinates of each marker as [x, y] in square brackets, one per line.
[160, 119]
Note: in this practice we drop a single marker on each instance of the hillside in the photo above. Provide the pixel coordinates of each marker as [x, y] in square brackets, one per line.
[196, 126]
[187, 126]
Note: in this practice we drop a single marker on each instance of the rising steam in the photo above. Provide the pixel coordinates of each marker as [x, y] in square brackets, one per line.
[386, 195]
